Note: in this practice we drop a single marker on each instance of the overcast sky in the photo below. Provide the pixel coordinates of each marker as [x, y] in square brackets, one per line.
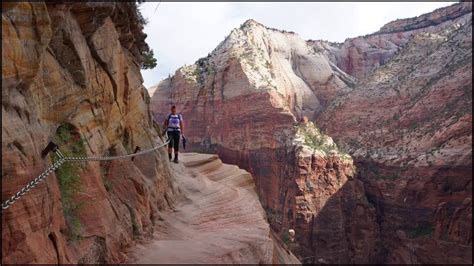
[181, 33]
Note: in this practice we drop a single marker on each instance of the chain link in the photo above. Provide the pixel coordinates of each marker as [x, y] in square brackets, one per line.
[32, 184]
[118, 157]
[57, 164]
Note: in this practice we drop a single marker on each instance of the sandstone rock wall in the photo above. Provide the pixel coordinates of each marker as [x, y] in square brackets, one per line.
[359, 56]
[370, 93]
[77, 65]
[325, 203]
[416, 154]
[242, 102]
[217, 219]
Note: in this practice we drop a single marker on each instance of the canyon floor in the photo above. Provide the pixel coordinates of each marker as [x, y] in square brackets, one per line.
[217, 219]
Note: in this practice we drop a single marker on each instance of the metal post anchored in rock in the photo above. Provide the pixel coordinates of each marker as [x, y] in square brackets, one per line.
[291, 233]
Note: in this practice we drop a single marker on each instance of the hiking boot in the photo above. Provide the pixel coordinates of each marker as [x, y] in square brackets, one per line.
[175, 160]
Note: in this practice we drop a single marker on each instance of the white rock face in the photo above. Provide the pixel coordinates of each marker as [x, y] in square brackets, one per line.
[303, 79]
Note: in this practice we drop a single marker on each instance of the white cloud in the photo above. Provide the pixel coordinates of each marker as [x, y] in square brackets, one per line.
[181, 33]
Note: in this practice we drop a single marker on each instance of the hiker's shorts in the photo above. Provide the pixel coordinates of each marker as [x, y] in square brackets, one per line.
[174, 139]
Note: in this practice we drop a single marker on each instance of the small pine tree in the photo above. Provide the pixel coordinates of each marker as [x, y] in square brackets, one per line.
[149, 61]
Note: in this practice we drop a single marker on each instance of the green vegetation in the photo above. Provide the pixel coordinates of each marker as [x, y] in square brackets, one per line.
[313, 138]
[135, 230]
[69, 140]
[133, 220]
[197, 73]
[285, 237]
[413, 125]
[199, 70]
[107, 184]
[69, 181]
[208, 69]
[139, 16]
[273, 216]
[104, 169]
[268, 65]
[142, 20]
[388, 177]
[149, 61]
[420, 231]
[247, 55]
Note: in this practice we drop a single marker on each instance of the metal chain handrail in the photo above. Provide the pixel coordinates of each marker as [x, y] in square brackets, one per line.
[62, 159]
[110, 158]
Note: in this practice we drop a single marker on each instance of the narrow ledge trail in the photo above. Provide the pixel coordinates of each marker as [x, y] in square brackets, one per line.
[217, 219]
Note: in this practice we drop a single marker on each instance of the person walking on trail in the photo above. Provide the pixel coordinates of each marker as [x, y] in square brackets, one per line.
[174, 127]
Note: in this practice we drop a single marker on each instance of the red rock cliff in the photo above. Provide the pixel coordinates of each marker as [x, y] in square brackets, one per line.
[71, 73]
[409, 127]
[407, 202]
[359, 56]
[243, 101]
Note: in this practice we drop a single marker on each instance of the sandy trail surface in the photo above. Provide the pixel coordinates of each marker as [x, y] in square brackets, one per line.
[217, 219]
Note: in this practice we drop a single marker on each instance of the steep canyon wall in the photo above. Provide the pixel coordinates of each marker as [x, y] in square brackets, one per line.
[398, 101]
[71, 74]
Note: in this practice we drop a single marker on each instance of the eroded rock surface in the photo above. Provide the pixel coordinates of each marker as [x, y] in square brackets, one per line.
[217, 219]
[409, 126]
[77, 65]
[398, 101]
[359, 56]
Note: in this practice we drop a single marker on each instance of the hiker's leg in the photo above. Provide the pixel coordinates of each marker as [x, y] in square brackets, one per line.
[176, 144]
[170, 144]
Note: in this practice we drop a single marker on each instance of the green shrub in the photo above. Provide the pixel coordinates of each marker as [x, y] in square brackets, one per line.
[69, 184]
[135, 226]
[135, 230]
[313, 138]
[388, 177]
[107, 184]
[268, 64]
[413, 125]
[69, 140]
[71, 144]
[420, 231]
[285, 237]
[197, 72]
[272, 216]
[104, 170]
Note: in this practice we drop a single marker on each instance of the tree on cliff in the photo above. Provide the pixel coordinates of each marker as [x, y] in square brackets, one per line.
[149, 61]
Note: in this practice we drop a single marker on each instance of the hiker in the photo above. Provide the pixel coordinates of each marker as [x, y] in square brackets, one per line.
[174, 127]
